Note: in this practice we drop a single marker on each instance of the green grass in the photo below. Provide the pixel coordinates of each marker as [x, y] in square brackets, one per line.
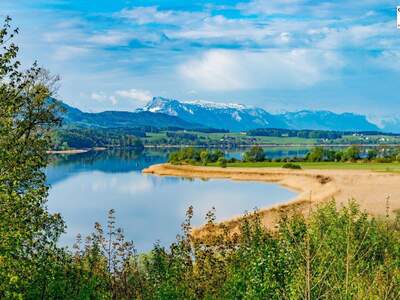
[382, 167]
[239, 138]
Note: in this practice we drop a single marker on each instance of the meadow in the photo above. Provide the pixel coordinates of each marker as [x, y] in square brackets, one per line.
[372, 166]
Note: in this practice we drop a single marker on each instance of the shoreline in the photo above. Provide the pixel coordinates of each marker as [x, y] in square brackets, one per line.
[72, 151]
[314, 186]
[238, 146]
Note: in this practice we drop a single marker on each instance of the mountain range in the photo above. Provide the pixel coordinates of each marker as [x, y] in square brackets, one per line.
[237, 117]
[162, 112]
[73, 117]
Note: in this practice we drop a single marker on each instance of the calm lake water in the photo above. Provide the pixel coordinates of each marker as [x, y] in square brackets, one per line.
[149, 208]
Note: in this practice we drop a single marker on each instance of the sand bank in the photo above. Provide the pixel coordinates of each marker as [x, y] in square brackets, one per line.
[369, 188]
[71, 151]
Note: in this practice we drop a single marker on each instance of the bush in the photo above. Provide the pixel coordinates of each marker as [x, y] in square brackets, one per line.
[351, 154]
[342, 254]
[255, 154]
[222, 162]
[291, 166]
[372, 154]
[195, 156]
[316, 154]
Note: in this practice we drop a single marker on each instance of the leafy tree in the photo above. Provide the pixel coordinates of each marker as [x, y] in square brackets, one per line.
[351, 154]
[204, 157]
[255, 154]
[316, 154]
[372, 154]
[222, 162]
[28, 233]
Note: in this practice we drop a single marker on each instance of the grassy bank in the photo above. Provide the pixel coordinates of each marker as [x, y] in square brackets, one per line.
[390, 167]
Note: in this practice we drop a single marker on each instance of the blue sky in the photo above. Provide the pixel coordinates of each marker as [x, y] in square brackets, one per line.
[280, 55]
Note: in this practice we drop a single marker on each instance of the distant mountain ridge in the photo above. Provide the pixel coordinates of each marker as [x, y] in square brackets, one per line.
[115, 119]
[234, 117]
[162, 113]
[238, 117]
[326, 120]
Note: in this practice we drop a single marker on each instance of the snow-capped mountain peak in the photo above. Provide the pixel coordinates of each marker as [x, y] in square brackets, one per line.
[239, 117]
[230, 116]
[215, 105]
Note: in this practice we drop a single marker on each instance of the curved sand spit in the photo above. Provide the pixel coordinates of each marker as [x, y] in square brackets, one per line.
[369, 188]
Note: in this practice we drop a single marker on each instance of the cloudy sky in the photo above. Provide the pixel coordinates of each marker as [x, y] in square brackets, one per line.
[280, 55]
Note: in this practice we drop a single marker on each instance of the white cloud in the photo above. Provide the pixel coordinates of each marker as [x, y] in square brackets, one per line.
[98, 96]
[239, 70]
[104, 98]
[135, 94]
[113, 100]
[374, 36]
[151, 14]
[270, 7]
[64, 53]
[219, 27]
[388, 60]
[110, 38]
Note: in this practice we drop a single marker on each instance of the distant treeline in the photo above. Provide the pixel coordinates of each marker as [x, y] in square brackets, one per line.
[311, 134]
[90, 138]
[202, 130]
[320, 154]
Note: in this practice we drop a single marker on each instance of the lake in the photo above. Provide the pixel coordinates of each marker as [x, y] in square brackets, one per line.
[84, 187]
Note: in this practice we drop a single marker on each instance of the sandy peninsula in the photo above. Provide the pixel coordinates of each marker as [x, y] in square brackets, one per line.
[370, 189]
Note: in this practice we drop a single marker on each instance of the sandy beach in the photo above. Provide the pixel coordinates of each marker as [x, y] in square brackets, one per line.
[369, 188]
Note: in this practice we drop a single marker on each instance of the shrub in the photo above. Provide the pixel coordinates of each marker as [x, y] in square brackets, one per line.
[255, 154]
[341, 254]
[372, 154]
[291, 166]
[222, 162]
[204, 157]
[351, 154]
[316, 154]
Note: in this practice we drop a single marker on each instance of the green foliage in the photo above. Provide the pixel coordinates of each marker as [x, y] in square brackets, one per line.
[372, 154]
[255, 154]
[333, 254]
[28, 233]
[290, 165]
[307, 134]
[96, 137]
[204, 157]
[222, 162]
[316, 154]
[351, 154]
[194, 156]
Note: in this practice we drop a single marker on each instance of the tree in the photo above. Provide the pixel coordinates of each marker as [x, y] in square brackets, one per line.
[316, 154]
[204, 157]
[28, 233]
[372, 154]
[255, 154]
[351, 154]
[222, 162]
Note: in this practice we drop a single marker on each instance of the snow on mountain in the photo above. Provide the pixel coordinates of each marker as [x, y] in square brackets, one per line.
[231, 116]
[238, 117]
